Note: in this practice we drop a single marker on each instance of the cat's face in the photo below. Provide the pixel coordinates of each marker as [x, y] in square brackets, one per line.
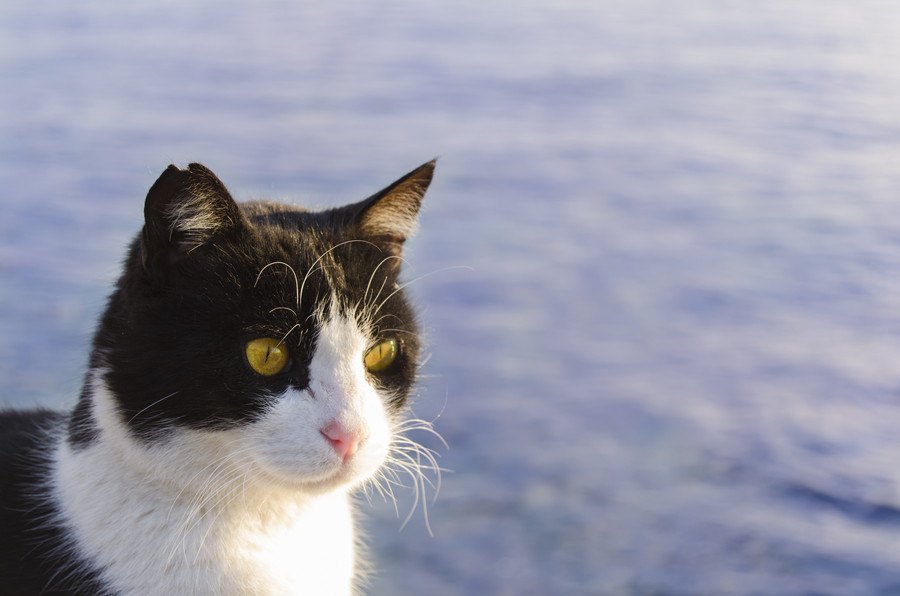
[272, 338]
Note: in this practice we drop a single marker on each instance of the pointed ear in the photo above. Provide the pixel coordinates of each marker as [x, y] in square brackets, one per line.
[389, 216]
[185, 209]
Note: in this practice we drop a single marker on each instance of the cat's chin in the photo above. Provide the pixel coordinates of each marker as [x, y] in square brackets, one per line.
[320, 486]
[344, 476]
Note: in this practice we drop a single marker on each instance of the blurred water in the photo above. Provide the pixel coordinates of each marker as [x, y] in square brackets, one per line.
[672, 370]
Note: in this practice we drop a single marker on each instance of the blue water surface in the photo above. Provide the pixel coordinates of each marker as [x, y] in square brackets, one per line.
[672, 367]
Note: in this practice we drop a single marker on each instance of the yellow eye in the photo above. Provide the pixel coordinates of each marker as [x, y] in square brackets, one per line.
[266, 355]
[380, 357]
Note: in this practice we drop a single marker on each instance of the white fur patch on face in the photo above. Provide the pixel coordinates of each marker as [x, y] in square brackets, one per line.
[287, 442]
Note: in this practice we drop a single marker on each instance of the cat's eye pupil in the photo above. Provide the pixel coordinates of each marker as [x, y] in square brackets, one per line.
[266, 356]
[381, 356]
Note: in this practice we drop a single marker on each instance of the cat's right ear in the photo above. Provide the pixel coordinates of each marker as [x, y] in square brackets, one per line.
[184, 210]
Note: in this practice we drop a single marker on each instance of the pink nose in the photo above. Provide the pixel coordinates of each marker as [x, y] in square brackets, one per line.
[345, 442]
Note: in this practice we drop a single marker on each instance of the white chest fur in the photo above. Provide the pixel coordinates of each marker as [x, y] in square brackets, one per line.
[153, 539]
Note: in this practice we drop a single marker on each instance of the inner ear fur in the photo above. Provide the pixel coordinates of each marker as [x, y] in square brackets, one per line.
[390, 216]
[185, 209]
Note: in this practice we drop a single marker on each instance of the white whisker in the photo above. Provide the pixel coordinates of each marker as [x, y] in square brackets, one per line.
[296, 285]
[414, 460]
[281, 341]
[404, 285]
[130, 420]
[375, 270]
[312, 267]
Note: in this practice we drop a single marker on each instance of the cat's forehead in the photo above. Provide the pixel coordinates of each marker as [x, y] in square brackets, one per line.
[301, 260]
[311, 242]
[275, 233]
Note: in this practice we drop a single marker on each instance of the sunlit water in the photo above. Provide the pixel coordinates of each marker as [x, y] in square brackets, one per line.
[673, 367]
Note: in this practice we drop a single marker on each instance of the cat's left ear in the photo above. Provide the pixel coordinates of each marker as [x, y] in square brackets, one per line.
[389, 217]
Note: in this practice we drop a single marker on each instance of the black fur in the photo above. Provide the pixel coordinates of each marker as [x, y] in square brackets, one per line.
[35, 552]
[198, 282]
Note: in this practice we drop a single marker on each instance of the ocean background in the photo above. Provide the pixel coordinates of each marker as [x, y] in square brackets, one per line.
[674, 365]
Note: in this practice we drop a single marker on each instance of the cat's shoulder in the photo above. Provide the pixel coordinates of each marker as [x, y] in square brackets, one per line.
[20, 428]
[36, 553]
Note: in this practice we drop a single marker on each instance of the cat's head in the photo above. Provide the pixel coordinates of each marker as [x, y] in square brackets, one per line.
[262, 334]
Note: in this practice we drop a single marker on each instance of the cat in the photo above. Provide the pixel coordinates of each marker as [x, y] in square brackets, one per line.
[250, 371]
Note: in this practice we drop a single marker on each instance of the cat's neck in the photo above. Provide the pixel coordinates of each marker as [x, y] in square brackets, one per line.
[194, 521]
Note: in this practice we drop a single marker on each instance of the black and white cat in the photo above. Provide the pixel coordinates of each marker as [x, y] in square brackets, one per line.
[250, 370]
